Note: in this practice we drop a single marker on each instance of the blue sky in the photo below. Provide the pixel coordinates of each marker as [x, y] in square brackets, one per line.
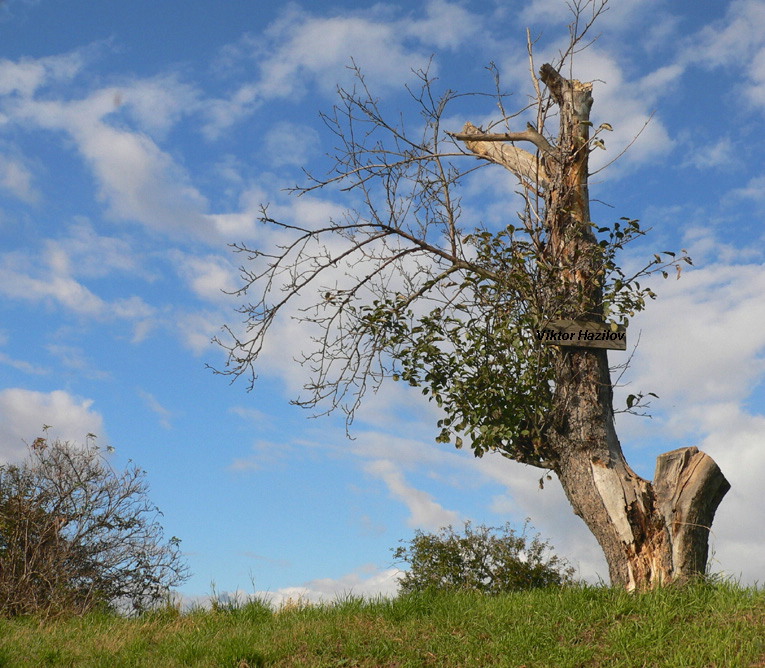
[137, 140]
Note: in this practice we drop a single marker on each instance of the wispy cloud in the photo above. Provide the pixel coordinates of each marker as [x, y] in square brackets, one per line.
[424, 511]
[300, 51]
[22, 365]
[52, 275]
[16, 179]
[737, 40]
[151, 402]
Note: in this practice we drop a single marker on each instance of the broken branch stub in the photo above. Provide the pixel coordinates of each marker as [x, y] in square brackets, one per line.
[523, 164]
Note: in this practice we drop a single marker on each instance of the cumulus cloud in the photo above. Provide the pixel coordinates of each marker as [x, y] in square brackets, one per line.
[628, 106]
[77, 360]
[157, 104]
[24, 412]
[719, 154]
[712, 314]
[627, 103]
[197, 328]
[22, 365]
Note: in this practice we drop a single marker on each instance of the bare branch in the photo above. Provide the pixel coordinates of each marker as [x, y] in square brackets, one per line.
[523, 164]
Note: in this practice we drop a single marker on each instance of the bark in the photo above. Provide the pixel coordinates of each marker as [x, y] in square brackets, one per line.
[651, 533]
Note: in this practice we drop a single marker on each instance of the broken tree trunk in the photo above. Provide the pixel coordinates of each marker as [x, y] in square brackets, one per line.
[651, 533]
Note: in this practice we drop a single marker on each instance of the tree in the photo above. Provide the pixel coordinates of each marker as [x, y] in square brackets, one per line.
[485, 559]
[76, 535]
[404, 290]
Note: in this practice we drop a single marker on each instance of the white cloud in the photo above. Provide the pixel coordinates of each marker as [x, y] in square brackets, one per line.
[740, 33]
[720, 154]
[24, 412]
[48, 286]
[197, 328]
[85, 253]
[76, 359]
[210, 277]
[735, 443]
[50, 276]
[137, 180]
[16, 179]
[446, 25]
[619, 15]
[22, 365]
[264, 455]
[753, 190]
[140, 182]
[714, 314]
[702, 351]
[253, 415]
[625, 102]
[627, 106]
[29, 74]
[153, 404]
[299, 50]
[425, 513]
[157, 104]
[291, 144]
[737, 40]
[367, 581]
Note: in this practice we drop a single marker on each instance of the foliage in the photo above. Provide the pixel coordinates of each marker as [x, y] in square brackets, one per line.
[76, 535]
[484, 559]
[404, 288]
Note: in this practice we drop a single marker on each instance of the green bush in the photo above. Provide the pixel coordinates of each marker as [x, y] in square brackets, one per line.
[491, 560]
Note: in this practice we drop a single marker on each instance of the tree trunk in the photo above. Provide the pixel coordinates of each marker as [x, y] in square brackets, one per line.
[650, 533]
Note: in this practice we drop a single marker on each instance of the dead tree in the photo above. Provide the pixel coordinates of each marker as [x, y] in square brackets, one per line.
[403, 291]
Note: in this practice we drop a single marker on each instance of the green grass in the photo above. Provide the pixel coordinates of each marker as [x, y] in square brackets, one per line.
[702, 625]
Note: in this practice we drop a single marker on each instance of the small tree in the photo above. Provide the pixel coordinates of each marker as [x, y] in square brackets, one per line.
[75, 534]
[492, 560]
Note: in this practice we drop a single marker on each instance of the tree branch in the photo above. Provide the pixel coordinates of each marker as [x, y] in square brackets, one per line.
[530, 134]
[523, 164]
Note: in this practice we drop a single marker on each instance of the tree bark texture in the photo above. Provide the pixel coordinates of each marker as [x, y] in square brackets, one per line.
[651, 533]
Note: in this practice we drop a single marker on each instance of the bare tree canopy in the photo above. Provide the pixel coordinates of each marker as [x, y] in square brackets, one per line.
[76, 535]
[404, 287]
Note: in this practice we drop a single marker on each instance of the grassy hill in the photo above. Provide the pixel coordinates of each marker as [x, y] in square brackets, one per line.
[703, 625]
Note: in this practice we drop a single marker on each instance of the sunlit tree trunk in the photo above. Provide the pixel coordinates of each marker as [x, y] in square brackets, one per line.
[651, 533]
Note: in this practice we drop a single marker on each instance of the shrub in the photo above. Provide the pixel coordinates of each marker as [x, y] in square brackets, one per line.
[76, 535]
[491, 560]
